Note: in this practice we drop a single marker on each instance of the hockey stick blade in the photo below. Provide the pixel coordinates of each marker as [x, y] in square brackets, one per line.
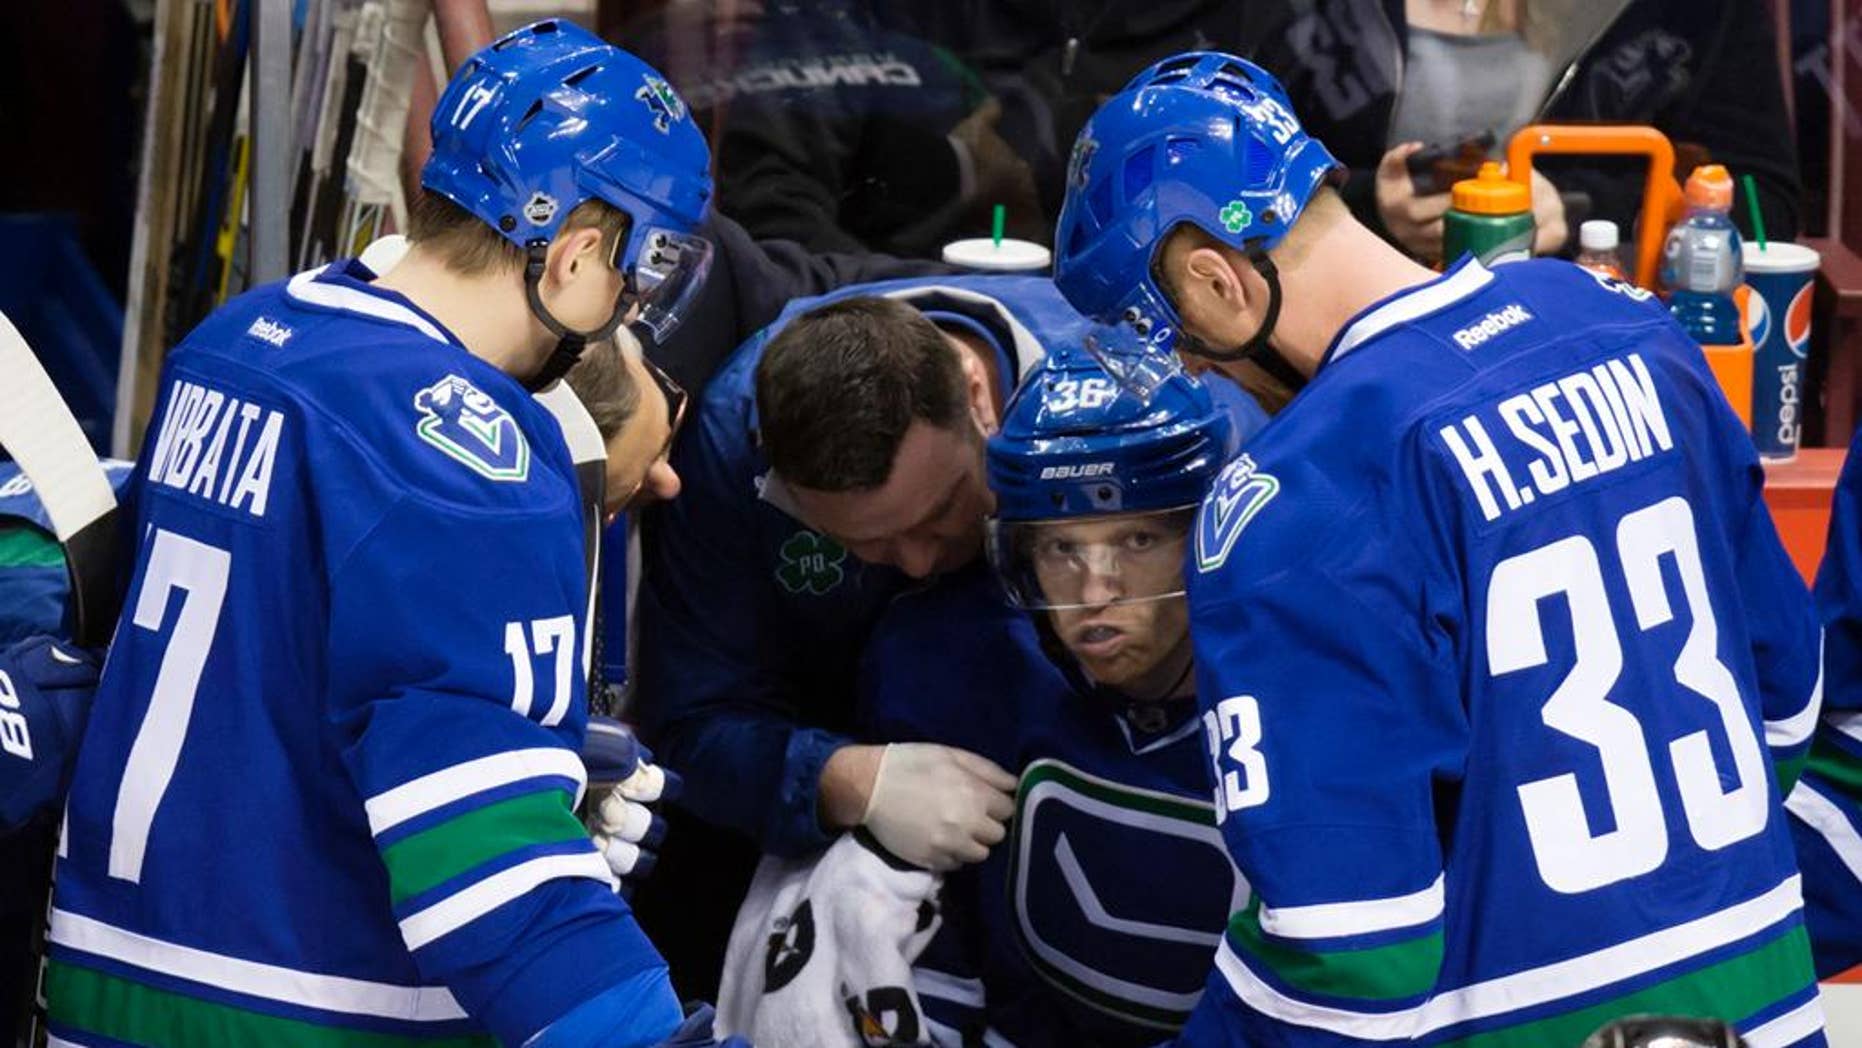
[38, 430]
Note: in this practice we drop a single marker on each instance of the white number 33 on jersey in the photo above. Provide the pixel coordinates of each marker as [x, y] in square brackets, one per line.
[1234, 732]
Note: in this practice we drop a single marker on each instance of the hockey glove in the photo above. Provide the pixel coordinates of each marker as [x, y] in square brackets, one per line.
[937, 806]
[45, 698]
[625, 783]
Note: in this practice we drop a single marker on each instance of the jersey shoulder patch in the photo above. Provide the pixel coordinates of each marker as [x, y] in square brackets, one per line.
[468, 426]
[1237, 497]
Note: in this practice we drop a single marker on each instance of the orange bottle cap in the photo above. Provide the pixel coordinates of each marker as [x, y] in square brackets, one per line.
[1491, 193]
[1711, 185]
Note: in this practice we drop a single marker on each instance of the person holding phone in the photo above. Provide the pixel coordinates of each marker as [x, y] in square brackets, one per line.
[1393, 85]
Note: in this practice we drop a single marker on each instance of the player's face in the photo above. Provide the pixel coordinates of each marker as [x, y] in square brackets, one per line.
[638, 472]
[926, 519]
[1105, 575]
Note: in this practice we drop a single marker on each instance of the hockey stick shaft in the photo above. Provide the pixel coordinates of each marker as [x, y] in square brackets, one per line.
[38, 430]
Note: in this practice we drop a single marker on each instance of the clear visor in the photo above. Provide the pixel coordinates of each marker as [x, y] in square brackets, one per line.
[667, 276]
[1091, 562]
[1138, 348]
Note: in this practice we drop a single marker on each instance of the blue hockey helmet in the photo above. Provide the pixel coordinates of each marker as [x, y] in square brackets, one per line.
[549, 116]
[1077, 445]
[1203, 138]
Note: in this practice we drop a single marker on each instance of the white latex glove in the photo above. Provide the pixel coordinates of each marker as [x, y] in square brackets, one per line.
[937, 806]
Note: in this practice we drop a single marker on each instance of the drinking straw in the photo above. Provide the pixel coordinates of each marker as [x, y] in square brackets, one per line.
[1752, 201]
[1002, 214]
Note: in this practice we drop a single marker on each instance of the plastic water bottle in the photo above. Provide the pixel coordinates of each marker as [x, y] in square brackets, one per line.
[1598, 241]
[1701, 260]
[1490, 217]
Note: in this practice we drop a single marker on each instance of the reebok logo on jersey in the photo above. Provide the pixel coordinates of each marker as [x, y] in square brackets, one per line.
[1079, 472]
[470, 428]
[1497, 322]
[269, 330]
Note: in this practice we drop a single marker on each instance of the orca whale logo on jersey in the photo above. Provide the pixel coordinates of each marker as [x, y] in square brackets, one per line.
[1621, 287]
[1085, 859]
[884, 1015]
[665, 103]
[470, 427]
[1239, 495]
[791, 944]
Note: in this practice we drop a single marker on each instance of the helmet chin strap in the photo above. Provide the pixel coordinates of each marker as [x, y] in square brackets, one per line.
[569, 343]
[1257, 349]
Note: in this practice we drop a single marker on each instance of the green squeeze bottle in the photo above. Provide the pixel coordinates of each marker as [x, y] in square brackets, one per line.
[1490, 217]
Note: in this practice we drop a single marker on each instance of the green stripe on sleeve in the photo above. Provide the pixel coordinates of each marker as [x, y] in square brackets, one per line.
[25, 547]
[1786, 773]
[1377, 973]
[1835, 766]
[440, 852]
[125, 1010]
[1734, 989]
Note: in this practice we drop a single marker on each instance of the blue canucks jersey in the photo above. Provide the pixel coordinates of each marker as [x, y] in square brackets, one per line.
[1826, 805]
[751, 623]
[325, 795]
[1094, 921]
[1497, 647]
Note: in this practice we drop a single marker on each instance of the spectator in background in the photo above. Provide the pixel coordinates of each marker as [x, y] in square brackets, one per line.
[1380, 80]
[1052, 62]
[897, 125]
[834, 129]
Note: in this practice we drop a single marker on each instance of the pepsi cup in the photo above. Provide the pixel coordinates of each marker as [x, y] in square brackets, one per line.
[1778, 315]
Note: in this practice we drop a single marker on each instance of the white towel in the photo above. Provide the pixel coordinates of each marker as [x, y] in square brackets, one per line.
[821, 954]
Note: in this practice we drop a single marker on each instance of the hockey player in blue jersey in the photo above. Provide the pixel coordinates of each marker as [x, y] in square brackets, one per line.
[752, 620]
[326, 792]
[1826, 806]
[1082, 687]
[1493, 632]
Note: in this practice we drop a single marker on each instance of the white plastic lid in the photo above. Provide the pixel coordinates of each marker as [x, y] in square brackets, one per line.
[1010, 256]
[1779, 256]
[1598, 234]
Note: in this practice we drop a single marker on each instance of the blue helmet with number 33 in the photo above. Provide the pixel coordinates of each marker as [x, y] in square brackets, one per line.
[1204, 138]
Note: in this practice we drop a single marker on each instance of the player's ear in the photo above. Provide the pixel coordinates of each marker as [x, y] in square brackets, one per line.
[1223, 299]
[1209, 274]
[573, 253]
[976, 391]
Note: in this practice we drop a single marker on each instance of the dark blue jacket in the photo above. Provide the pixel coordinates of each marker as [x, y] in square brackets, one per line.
[750, 622]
